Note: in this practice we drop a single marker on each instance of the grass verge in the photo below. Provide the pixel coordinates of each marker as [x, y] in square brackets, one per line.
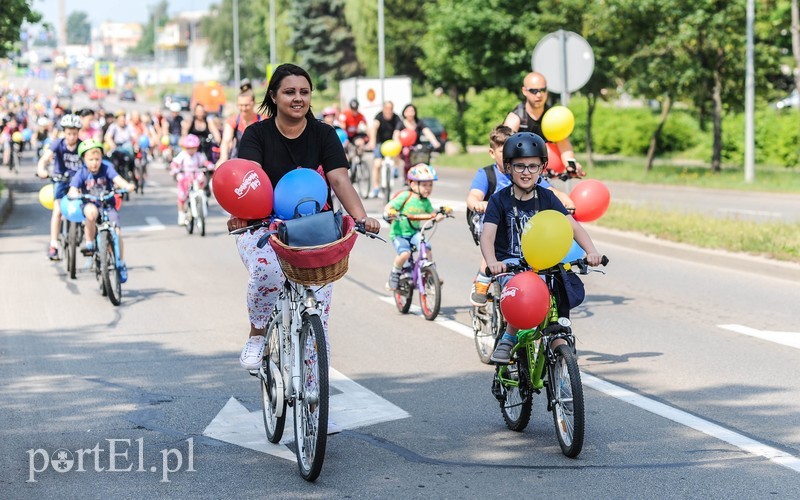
[774, 240]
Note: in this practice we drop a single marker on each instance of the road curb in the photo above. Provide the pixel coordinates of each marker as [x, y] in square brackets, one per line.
[720, 258]
[5, 204]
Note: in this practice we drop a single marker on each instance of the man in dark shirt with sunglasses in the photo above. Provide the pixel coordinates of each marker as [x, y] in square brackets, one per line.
[527, 116]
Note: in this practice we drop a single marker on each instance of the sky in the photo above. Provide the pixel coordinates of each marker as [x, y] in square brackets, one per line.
[114, 10]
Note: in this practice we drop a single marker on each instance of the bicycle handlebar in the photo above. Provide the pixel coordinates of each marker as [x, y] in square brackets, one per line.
[359, 226]
[512, 268]
[107, 196]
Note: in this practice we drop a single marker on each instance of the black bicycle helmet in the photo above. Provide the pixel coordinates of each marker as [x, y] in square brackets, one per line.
[354, 104]
[523, 145]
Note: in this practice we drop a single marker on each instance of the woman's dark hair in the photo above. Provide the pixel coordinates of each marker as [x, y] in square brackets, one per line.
[412, 107]
[268, 105]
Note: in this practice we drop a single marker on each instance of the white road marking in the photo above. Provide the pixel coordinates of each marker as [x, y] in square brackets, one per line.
[453, 326]
[354, 406]
[153, 224]
[791, 339]
[740, 441]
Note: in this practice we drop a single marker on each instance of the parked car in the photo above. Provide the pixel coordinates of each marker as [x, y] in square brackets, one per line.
[127, 95]
[791, 101]
[438, 130]
[177, 102]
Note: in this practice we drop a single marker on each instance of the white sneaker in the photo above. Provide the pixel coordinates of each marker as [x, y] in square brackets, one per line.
[181, 218]
[253, 352]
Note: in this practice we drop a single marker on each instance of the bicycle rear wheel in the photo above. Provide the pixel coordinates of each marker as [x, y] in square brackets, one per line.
[517, 401]
[430, 298]
[311, 407]
[403, 294]
[108, 265]
[273, 397]
[363, 178]
[567, 403]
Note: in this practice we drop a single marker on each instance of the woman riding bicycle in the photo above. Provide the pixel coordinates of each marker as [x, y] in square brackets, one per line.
[524, 158]
[414, 202]
[411, 122]
[291, 138]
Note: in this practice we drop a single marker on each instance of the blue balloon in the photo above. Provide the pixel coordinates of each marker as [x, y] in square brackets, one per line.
[144, 142]
[575, 252]
[302, 190]
[342, 135]
[27, 134]
[72, 210]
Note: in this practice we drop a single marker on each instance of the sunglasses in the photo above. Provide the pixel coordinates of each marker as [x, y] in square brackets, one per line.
[537, 91]
[530, 167]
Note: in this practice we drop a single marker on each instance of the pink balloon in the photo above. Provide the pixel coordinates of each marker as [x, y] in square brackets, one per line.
[591, 198]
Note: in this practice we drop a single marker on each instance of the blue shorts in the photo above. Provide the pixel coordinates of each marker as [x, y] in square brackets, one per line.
[60, 189]
[113, 215]
[402, 244]
[377, 151]
[504, 279]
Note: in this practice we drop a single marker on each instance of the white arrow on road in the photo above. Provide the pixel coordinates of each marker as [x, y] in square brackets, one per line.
[354, 406]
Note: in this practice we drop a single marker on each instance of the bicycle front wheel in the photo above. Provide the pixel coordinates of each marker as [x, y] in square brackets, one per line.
[430, 298]
[108, 268]
[189, 223]
[517, 400]
[567, 403]
[311, 406]
[386, 182]
[71, 250]
[273, 397]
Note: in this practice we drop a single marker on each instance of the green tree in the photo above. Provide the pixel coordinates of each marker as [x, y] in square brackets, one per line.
[15, 12]
[475, 44]
[323, 40]
[362, 15]
[79, 30]
[253, 35]
[158, 14]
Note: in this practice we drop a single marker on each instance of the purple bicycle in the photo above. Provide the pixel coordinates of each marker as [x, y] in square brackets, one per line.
[420, 273]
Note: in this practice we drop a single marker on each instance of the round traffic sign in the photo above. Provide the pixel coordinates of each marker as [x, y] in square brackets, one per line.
[560, 54]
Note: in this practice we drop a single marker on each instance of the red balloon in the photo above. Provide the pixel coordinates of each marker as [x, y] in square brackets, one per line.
[591, 198]
[408, 137]
[243, 189]
[525, 300]
[554, 162]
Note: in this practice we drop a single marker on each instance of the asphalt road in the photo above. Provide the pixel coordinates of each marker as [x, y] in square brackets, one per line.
[683, 401]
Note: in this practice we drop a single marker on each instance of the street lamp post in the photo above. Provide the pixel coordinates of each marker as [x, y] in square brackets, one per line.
[236, 42]
[749, 100]
[381, 50]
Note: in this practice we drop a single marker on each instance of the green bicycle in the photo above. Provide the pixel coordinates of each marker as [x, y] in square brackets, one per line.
[536, 364]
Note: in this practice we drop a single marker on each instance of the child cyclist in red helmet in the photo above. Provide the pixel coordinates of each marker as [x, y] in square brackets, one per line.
[405, 232]
[524, 158]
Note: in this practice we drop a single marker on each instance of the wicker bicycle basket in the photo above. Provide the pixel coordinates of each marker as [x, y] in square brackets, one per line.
[317, 265]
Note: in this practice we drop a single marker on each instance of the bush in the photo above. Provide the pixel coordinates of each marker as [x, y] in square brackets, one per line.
[485, 111]
[441, 107]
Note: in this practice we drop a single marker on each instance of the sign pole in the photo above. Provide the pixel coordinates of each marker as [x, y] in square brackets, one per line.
[562, 37]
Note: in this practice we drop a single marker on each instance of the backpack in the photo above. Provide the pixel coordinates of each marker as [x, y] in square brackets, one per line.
[474, 219]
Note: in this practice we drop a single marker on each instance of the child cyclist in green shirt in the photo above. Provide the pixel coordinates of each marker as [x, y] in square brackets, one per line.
[414, 204]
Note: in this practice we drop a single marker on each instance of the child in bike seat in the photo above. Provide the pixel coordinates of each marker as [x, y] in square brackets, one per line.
[508, 210]
[185, 167]
[97, 177]
[487, 181]
[414, 201]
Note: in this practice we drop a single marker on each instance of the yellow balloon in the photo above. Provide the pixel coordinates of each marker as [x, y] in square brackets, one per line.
[46, 196]
[165, 140]
[546, 239]
[557, 123]
[391, 148]
[16, 136]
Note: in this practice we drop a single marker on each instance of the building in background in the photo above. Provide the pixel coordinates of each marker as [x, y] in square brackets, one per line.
[113, 40]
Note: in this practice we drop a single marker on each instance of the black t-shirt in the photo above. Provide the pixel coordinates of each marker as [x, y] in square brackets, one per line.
[527, 123]
[500, 211]
[318, 147]
[386, 127]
